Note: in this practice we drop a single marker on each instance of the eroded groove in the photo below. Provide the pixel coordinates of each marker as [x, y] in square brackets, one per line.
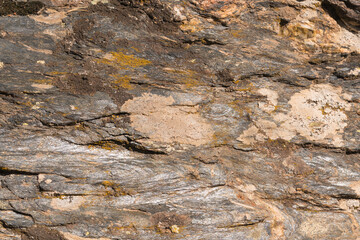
[227, 71]
[352, 151]
[6, 171]
[313, 145]
[73, 123]
[204, 41]
[346, 196]
[130, 145]
[244, 224]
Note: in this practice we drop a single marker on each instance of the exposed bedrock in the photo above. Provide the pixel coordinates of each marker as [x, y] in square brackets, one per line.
[179, 119]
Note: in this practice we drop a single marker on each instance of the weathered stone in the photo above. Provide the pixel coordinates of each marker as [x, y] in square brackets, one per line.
[180, 120]
[15, 220]
[348, 11]
[22, 186]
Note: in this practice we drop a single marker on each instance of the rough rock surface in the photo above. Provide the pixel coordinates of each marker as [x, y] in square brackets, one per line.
[200, 119]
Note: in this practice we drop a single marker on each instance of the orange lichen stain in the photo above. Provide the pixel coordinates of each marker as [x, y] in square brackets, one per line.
[121, 81]
[123, 61]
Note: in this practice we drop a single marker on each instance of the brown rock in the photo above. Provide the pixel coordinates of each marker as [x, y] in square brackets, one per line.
[165, 120]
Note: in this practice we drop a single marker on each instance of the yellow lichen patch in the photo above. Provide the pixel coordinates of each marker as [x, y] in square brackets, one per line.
[136, 49]
[116, 190]
[243, 86]
[187, 77]
[221, 137]
[107, 145]
[128, 229]
[240, 107]
[160, 121]
[175, 229]
[121, 81]
[194, 25]
[56, 73]
[236, 33]
[300, 30]
[123, 61]
[327, 109]
[107, 183]
[48, 81]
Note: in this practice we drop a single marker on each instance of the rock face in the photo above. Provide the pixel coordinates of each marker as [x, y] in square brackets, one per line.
[199, 119]
[347, 11]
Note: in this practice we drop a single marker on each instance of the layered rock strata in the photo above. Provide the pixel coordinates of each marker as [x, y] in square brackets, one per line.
[199, 119]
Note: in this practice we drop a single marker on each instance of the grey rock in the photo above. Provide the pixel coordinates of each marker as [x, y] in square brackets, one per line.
[169, 120]
[15, 220]
[348, 11]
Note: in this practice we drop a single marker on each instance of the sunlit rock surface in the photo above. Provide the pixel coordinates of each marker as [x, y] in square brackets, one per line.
[180, 119]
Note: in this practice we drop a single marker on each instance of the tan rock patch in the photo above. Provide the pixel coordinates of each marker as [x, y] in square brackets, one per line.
[251, 135]
[53, 17]
[321, 226]
[317, 113]
[356, 187]
[155, 116]
[67, 203]
[42, 86]
[272, 97]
